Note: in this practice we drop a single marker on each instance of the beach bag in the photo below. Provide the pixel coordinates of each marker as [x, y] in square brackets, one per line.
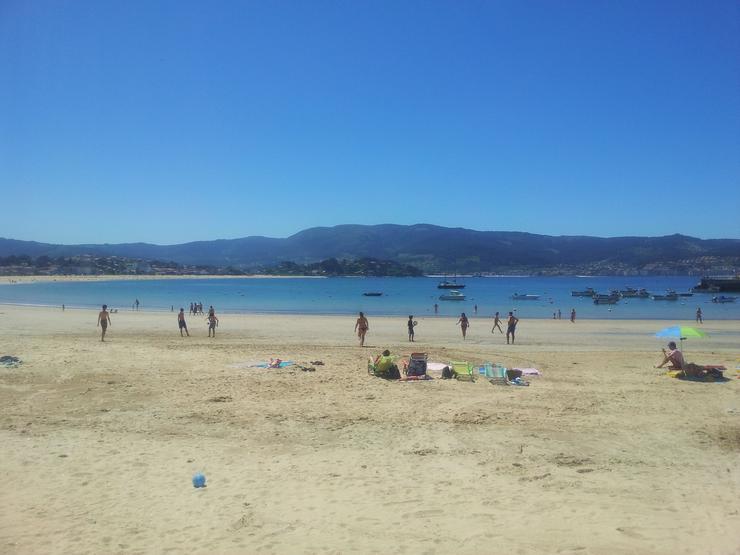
[417, 367]
[447, 373]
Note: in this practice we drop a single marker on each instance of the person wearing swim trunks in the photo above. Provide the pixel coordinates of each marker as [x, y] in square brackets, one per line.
[361, 327]
[464, 324]
[511, 327]
[497, 324]
[181, 322]
[103, 321]
[573, 316]
[674, 356]
[212, 322]
[411, 325]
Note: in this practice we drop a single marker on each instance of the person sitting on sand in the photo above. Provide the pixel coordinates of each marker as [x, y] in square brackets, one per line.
[103, 321]
[674, 356]
[181, 322]
[212, 322]
[361, 328]
[385, 366]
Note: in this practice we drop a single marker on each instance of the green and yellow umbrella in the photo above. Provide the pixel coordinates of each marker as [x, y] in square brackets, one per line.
[680, 332]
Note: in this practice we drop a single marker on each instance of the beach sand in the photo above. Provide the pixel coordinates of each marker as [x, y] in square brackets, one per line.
[600, 454]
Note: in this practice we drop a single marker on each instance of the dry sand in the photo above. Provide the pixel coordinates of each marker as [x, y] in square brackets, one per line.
[601, 454]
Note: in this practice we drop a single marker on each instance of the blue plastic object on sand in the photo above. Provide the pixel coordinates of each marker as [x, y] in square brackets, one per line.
[199, 480]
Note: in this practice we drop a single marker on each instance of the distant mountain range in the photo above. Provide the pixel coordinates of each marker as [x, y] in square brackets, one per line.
[430, 248]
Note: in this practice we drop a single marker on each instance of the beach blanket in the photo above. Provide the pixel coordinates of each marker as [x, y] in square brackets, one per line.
[259, 364]
[10, 361]
[529, 371]
[423, 378]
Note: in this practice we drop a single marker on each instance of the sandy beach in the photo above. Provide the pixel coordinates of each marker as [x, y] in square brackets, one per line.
[601, 454]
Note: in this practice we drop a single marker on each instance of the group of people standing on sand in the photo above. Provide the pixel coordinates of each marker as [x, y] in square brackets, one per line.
[362, 326]
[104, 320]
[196, 308]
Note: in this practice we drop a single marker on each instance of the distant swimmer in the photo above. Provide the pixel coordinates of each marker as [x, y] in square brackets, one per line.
[497, 324]
[511, 327]
[361, 328]
[464, 324]
[212, 322]
[104, 321]
[181, 322]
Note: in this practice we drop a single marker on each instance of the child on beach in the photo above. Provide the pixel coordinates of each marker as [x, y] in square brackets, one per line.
[497, 324]
[212, 322]
[103, 321]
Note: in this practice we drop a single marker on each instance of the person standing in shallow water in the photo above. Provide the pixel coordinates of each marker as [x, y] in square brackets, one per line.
[361, 328]
[464, 324]
[699, 318]
[573, 316]
[103, 321]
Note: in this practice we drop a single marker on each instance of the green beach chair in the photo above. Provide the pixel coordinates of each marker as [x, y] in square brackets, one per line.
[462, 370]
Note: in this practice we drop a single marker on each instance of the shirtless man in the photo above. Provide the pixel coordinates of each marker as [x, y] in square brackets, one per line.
[497, 324]
[181, 322]
[361, 327]
[674, 356]
[104, 320]
[511, 327]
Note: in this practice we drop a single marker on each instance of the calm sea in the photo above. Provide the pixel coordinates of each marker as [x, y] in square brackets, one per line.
[401, 296]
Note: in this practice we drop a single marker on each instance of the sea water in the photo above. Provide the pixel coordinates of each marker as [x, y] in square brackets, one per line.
[401, 296]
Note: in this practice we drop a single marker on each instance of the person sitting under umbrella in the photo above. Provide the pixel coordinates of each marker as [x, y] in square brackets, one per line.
[674, 356]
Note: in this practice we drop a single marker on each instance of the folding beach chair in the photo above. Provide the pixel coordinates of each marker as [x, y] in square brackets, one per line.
[497, 375]
[417, 365]
[462, 370]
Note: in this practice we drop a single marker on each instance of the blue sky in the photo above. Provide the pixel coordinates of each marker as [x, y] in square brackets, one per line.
[175, 121]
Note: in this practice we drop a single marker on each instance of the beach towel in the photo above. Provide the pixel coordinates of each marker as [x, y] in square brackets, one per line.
[422, 378]
[258, 364]
[529, 371]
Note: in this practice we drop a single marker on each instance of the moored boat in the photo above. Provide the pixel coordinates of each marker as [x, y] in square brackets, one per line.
[450, 285]
[723, 299]
[669, 296]
[588, 292]
[518, 297]
[606, 299]
[453, 295]
[373, 294]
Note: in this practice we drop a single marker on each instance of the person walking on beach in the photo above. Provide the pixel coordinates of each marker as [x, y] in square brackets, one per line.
[699, 319]
[212, 322]
[103, 321]
[411, 325]
[497, 324]
[475, 309]
[361, 328]
[464, 324]
[511, 327]
[560, 315]
[181, 322]
[136, 303]
[573, 316]
[436, 308]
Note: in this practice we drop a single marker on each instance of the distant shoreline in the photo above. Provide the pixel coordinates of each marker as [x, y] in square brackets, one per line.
[128, 277]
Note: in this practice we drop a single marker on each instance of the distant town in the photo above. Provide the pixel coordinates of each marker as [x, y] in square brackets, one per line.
[89, 265]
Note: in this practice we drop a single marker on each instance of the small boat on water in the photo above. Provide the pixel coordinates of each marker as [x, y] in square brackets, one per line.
[518, 297]
[453, 295]
[723, 299]
[373, 294]
[450, 285]
[588, 292]
[606, 299]
[669, 296]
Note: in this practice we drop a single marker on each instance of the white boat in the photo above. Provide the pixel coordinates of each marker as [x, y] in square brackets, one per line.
[518, 297]
[453, 295]
[723, 299]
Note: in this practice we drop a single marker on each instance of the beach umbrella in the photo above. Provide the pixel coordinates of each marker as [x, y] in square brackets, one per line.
[681, 332]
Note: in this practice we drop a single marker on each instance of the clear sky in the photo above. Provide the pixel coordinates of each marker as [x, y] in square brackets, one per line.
[175, 121]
